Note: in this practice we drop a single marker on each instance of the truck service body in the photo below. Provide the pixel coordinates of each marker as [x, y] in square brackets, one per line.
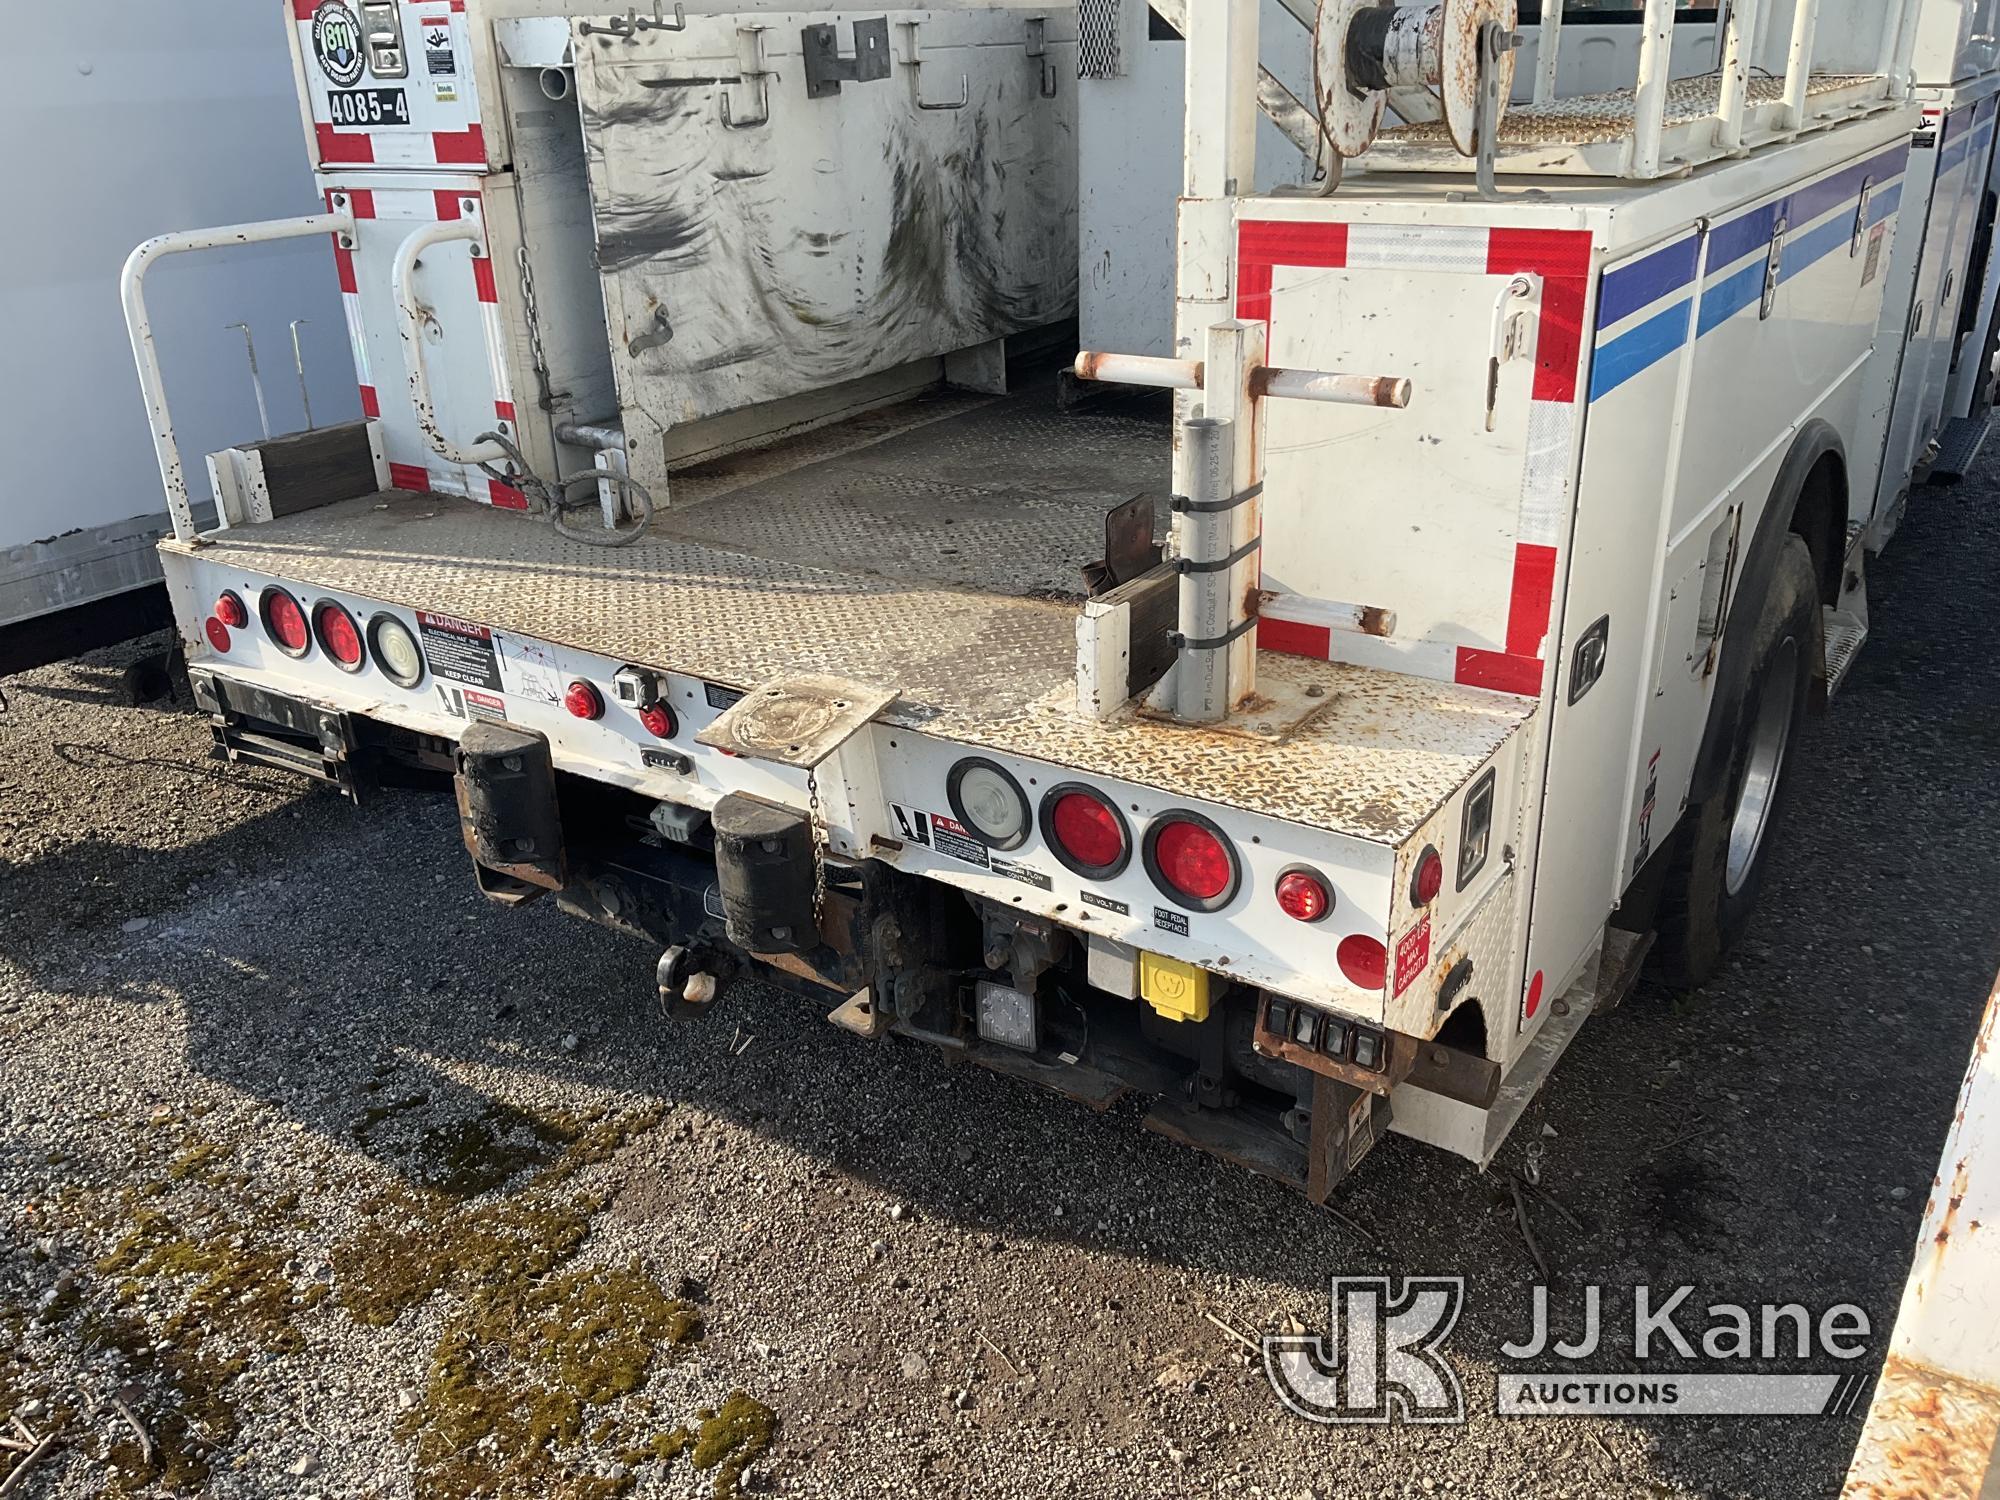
[1518, 492]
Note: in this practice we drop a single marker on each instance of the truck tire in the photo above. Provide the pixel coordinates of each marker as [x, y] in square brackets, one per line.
[1726, 840]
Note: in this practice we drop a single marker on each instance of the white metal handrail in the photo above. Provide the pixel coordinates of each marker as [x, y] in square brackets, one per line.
[139, 325]
[410, 322]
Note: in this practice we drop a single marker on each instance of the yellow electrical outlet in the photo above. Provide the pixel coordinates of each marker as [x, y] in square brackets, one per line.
[1176, 990]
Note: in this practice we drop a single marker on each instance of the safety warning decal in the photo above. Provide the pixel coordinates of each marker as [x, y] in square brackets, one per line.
[948, 836]
[529, 669]
[480, 705]
[912, 826]
[459, 650]
[1413, 954]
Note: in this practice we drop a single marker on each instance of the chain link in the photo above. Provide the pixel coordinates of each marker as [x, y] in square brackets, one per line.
[816, 821]
[536, 355]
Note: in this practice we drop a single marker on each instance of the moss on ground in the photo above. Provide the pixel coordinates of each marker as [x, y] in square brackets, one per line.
[731, 1438]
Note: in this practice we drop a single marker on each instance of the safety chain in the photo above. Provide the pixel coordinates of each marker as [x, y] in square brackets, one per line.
[816, 822]
[537, 358]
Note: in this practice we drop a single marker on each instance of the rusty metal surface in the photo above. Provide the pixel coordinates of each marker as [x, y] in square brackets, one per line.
[1930, 1436]
[797, 721]
[981, 668]
[1933, 1424]
[1593, 119]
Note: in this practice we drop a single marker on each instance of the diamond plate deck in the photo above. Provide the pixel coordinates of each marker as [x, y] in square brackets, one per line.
[987, 667]
[1589, 119]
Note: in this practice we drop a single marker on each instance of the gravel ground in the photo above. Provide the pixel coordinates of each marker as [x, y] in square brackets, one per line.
[329, 1178]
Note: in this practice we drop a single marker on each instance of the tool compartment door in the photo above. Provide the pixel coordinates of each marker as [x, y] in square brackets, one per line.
[758, 243]
[1449, 516]
[467, 354]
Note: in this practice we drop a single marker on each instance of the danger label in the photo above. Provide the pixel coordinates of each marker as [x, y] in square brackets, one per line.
[1413, 954]
[949, 837]
[459, 650]
[480, 705]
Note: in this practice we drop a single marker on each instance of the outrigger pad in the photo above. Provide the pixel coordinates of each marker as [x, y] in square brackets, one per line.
[797, 721]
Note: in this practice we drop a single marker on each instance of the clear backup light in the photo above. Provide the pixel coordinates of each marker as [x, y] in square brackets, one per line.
[1085, 831]
[989, 802]
[339, 636]
[395, 651]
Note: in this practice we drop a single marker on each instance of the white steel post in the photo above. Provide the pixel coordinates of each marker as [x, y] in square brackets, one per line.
[1736, 56]
[1649, 103]
[1220, 130]
[1798, 62]
[1906, 50]
[1233, 350]
[1548, 53]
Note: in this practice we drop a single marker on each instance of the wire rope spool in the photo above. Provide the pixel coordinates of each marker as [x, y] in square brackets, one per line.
[1363, 48]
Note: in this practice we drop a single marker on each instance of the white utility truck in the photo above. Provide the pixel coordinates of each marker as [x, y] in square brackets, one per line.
[712, 533]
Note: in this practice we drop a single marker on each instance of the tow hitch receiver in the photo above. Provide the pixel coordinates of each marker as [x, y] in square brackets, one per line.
[255, 725]
[507, 811]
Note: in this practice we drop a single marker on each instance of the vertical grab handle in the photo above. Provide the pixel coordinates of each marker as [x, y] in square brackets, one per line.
[409, 322]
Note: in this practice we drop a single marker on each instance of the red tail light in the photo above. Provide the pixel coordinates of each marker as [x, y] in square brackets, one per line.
[284, 622]
[231, 611]
[658, 719]
[584, 701]
[1428, 878]
[1363, 960]
[1085, 831]
[338, 635]
[217, 633]
[1303, 896]
[1192, 862]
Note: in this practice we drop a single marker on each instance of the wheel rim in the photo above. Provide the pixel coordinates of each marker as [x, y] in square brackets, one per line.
[1770, 736]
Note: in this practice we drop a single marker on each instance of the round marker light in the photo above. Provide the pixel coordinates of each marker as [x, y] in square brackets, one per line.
[659, 721]
[217, 633]
[284, 622]
[338, 635]
[989, 802]
[1363, 960]
[1428, 878]
[395, 651]
[231, 610]
[1192, 862]
[1303, 896]
[1085, 832]
[584, 701]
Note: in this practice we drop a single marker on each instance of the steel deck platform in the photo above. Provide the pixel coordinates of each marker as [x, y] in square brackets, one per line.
[834, 554]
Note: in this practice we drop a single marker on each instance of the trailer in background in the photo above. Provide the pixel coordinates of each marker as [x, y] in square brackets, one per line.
[120, 130]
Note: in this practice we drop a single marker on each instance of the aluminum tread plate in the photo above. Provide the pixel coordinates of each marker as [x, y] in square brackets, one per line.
[980, 668]
[1595, 119]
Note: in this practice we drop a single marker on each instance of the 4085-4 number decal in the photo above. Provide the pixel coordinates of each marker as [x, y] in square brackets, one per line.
[368, 107]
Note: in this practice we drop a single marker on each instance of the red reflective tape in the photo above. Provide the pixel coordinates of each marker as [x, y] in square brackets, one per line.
[465, 147]
[371, 404]
[482, 273]
[343, 265]
[1294, 639]
[506, 496]
[409, 477]
[1533, 594]
[504, 410]
[1253, 290]
[447, 205]
[302, 10]
[457, 5]
[1561, 257]
[343, 146]
[1498, 670]
[361, 202]
[1292, 244]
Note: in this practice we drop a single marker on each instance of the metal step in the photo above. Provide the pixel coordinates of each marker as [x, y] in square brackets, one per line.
[1958, 447]
[1845, 636]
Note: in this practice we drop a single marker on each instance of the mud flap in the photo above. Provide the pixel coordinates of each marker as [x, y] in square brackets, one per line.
[507, 811]
[1346, 1124]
